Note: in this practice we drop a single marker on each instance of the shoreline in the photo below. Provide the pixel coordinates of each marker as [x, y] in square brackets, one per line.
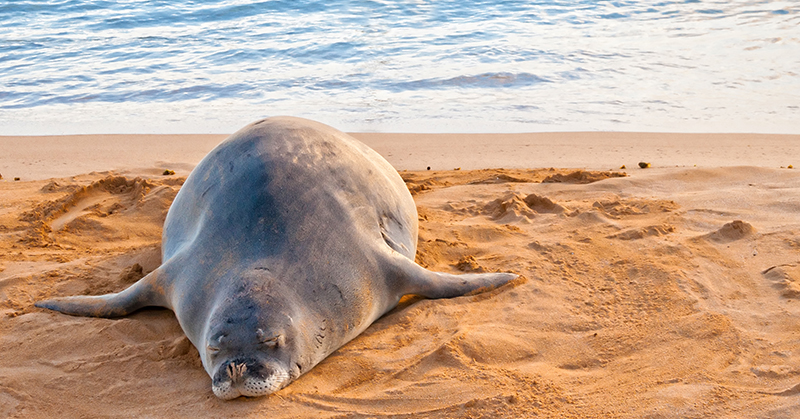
[44, 157]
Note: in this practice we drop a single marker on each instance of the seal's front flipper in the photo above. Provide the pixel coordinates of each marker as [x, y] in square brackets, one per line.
[141, 294]
[414, 279]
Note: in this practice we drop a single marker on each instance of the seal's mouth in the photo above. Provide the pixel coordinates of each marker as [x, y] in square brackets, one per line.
[235, 380]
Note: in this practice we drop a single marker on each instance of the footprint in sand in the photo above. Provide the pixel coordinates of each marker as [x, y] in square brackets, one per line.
[82, 208]
[515, 207]
[618, 209]
[469, 264]
[582, 177]
[101, 198]
[785, 278]
[640, 233]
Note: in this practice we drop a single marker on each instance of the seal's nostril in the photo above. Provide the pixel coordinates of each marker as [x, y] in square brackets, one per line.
[236, 371]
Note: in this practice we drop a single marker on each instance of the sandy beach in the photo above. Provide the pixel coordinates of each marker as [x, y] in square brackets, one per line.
[670, 291]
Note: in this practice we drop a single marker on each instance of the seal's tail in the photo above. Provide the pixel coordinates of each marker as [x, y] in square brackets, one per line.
[141, 294]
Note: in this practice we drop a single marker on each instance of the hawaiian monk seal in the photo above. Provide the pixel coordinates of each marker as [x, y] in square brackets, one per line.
[286, 241]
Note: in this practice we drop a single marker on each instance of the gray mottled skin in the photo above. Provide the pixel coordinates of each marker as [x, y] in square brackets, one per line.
[286, 241]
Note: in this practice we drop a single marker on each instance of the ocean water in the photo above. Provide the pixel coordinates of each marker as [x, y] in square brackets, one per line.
[212, 66]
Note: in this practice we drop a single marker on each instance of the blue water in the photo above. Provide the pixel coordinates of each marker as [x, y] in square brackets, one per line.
[90, 66]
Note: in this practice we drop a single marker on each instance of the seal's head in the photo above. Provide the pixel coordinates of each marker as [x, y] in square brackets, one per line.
[238, 372]
[249, 349]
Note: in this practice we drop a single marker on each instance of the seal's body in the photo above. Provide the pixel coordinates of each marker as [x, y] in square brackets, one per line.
[286, 241]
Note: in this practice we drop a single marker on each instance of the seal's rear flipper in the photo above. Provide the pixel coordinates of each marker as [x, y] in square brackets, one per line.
[414, 279]
[141, 294]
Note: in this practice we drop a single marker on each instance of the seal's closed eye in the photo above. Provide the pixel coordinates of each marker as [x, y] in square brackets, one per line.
[213, 346]
[271, 341]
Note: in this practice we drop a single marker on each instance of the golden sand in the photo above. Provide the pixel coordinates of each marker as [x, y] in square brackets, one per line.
[660, 292]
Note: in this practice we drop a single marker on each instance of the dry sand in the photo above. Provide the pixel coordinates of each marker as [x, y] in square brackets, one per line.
[670, 292]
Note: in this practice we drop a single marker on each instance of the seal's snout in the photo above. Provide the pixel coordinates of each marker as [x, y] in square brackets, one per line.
[236, 372]
[247, 378]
